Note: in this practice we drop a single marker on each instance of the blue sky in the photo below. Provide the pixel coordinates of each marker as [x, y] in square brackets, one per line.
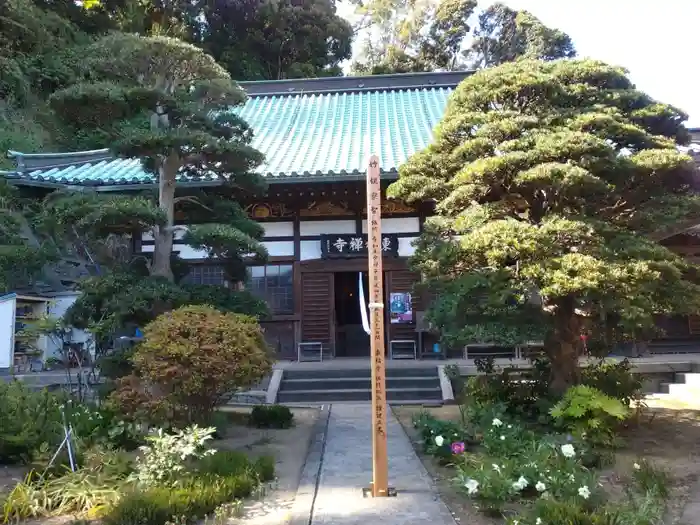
[655, 40]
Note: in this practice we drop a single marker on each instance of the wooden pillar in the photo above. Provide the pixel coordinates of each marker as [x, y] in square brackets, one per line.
[380, 469]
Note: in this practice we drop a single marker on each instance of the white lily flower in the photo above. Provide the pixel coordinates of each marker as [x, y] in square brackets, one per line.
[496, 422]
[584, 492]
[568, 451]
[541, 487]
[439, 441]
[472, 486]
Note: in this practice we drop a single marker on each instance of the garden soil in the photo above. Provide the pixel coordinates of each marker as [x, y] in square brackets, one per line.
[669, 439]
[289, 448]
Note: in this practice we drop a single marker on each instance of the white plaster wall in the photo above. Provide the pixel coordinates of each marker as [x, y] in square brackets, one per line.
[57, 309]
[7, 330]
[310, 250]
[397, 225]
[278, 229]
[186, 252]
[324, 227]
[406, 248]
[279, 248]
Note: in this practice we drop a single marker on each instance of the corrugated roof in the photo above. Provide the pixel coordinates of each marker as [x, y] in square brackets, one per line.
[304, 136]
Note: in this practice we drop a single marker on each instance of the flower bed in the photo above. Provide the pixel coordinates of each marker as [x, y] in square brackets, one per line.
[175, 477]
[524, 476]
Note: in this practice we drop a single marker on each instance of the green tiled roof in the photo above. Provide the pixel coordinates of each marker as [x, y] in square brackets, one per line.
[304, 136]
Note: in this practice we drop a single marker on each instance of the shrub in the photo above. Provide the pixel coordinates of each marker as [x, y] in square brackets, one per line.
[265, 468]
[27, 420]
[193, 498]
[614, 379]
[271, 416]
[163, 460]
[590, 414]
[100, 425]
[224, 463]
[524, 393]
[191, 360]
[233, 463]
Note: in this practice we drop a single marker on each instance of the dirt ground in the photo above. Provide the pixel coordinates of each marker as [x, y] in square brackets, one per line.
[289, 448]
[669, 439]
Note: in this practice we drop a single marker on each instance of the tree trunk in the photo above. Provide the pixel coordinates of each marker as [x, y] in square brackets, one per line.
[163, 235]
[562, 348]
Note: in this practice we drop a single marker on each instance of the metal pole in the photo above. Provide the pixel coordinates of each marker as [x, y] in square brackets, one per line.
[380, 468]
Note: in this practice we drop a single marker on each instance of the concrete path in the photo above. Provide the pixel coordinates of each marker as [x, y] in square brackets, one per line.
[347, 467]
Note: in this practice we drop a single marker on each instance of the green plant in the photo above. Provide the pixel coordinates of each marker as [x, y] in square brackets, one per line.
[190, 361]
[163, 460]
[84, 491]
[438, 436]
[590, 414]
[271, 416]
[193, 499]
[233, 463]
[651, 480]
[523, 393]
[614, 379]
[53, 363]
[27, 420]
[265, 468]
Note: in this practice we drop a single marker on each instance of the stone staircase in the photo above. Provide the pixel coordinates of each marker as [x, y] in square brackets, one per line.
[405, 386]
[683, 392]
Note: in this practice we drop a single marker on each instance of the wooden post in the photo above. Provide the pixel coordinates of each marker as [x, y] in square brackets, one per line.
[380, 468]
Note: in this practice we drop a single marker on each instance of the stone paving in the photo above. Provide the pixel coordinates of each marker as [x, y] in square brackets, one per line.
[347, 467]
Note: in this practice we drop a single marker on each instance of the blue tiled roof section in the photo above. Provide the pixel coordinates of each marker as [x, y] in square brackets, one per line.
[302, 135]
[114, 171]
[319, 134]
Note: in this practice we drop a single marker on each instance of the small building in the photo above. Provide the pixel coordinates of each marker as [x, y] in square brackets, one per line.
[317, 136]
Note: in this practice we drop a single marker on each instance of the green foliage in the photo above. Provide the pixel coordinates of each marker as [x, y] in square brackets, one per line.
[523, 393]
[590, 414]
[120, 300]
[163, 460]
[87, 491]
[547, 178]
[194, 498]
[271, 416]
[615, 379]
[20, 261]
[504, 35]
[191, 360]
[27, 420]
[276, 40]
[233, 463]
[436, 36]
[437, 436]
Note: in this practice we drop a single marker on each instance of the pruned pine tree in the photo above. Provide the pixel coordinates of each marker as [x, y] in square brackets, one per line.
[549, 180]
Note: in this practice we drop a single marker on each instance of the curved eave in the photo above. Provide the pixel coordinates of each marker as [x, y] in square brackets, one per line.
[136, 185]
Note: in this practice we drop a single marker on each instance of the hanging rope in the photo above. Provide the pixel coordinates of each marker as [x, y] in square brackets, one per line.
[363, 305]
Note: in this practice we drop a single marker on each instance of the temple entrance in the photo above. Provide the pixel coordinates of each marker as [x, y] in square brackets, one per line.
[351, 339]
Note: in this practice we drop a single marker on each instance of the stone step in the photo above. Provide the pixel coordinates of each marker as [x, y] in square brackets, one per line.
[415, 395]
[391, 372]
[357, 383]
[671, 401]
[682, 389]
[688, 378]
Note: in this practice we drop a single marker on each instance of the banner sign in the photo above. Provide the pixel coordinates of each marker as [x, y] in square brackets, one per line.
[400, 308]
[348, 245]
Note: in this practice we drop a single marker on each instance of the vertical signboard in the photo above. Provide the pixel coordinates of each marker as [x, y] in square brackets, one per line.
[380, 469]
